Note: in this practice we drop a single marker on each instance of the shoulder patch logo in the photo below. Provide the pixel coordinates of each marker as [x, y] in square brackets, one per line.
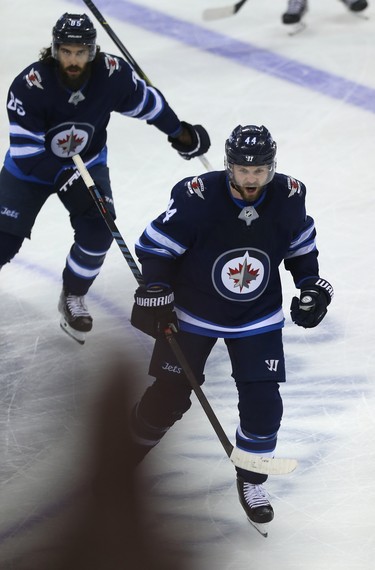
[33, 78]
[196, 186]
[294, 186]
[111, 63]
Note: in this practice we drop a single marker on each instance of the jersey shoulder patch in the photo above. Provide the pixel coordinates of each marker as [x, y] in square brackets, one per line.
[112, 63]
[33, 78]
[195, 186]
[289, 186]
[294, 187]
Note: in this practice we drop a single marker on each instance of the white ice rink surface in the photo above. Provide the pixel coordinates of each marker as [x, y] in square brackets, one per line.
[316, 93]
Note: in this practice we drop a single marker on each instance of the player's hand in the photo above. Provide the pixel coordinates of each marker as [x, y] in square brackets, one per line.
[193, 141]
[310, 309]
[153, 310]
[73, 192]
[67, 179]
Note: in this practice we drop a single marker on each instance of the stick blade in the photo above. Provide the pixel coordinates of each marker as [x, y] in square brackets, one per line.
[262, 465]
[218, 13]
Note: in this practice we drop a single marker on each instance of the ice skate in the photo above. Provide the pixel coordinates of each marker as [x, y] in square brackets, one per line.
[295, 11]
[75, 320]
[355, 5]
[254, 500]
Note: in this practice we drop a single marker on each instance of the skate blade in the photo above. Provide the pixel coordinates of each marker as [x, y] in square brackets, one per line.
[78, 336]
[360, 15]
[262, 528]
[297, 29]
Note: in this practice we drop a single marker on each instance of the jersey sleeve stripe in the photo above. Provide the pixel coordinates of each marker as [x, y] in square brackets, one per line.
[164, 241]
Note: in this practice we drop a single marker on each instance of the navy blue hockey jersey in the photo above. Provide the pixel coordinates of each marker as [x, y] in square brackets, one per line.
[221, 255]
[49, 123]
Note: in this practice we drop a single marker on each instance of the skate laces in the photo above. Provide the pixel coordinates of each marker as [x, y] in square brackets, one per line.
[255, 495]
[296, 6]
[77, 306]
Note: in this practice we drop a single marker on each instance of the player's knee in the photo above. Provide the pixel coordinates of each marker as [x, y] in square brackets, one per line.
[92, 232]
[165, 402]
[260, 407]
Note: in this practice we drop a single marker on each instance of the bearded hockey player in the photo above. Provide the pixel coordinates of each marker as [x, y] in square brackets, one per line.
[210, 264]
[60, 106]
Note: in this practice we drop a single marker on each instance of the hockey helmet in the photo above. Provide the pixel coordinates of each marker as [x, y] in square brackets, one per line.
[74, 29]
[250, 146]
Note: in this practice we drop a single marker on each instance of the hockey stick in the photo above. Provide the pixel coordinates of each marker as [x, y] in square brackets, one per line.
[224, 12]
[240, 458]
[127, 55]
[98, 199]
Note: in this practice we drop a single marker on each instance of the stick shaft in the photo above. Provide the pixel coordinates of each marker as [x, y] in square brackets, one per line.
[98, 199]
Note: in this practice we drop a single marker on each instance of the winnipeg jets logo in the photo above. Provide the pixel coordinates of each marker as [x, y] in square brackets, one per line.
[70, 142]
[33, 78]
[111, 63]
[294, 186]
[67, 139]
[241, 274]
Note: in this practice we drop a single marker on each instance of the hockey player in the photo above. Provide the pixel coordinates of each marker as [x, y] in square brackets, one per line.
[60, 106]
[296, 9]
[210, 264]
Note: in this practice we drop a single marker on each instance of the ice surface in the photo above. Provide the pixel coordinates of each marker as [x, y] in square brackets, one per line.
[316, 93]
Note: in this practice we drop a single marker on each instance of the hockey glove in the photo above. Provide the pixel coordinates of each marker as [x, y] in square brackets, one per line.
[73, 193]
[309, 310]
[68, 179]
[192, 142]
[153, 310]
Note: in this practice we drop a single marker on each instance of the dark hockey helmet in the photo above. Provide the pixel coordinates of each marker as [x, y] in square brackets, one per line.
[74, 29]
[250, 146]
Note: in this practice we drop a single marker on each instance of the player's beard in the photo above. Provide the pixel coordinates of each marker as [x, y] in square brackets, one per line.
[246, 196]
[75, 83]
